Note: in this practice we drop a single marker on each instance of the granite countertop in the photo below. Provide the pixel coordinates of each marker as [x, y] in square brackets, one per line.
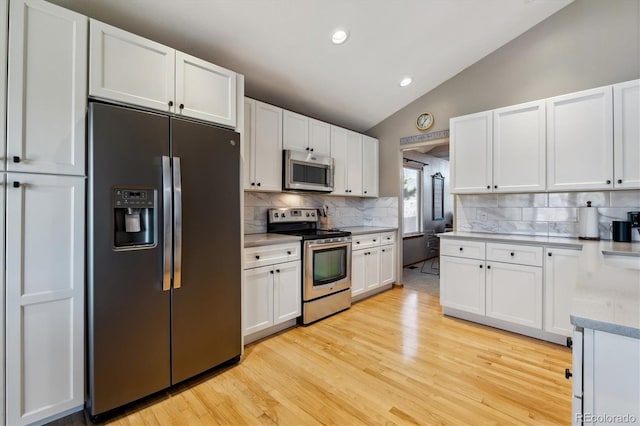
[255, 240]
[570, 243]
[360, 230]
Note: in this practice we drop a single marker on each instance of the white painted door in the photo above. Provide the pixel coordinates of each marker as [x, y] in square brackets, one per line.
[354, 163]
[387, 264]
[257, 308]
[339, 154]
[128, 68]
[372, 268]
[462, 284]
[519, 147]
[471, 153]
[205, 91]
[357, 272]
[560, 280]
[45, 296]
[626, 134]
[249, 142]
[2, 293]
[47, 89]
[514, 293]
[580, 140]
[320, 137]
[287, 291]
[268, 148]
[4, 33]
[369, 166]
[295, 131]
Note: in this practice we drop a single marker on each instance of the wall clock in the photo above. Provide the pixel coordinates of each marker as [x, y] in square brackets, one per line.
[424, 121]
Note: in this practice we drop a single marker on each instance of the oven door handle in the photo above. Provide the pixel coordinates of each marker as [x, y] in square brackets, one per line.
[313, 244]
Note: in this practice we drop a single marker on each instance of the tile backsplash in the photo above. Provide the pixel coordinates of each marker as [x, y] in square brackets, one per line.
[345, 211]
[554, 214]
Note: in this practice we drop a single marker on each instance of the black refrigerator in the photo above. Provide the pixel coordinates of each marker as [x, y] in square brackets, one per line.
[163, 252]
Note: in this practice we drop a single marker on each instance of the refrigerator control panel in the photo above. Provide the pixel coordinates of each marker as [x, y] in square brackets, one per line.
[133, 198]
[134, 218]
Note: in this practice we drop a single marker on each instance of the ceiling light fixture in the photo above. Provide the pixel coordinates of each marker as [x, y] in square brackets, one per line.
[406, 81]
[339, 36]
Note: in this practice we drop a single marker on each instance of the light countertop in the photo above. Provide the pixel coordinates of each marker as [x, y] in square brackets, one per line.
[360, 230]
[255, 240]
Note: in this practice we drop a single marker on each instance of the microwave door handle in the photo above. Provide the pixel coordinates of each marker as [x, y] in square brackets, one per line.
[166, 223]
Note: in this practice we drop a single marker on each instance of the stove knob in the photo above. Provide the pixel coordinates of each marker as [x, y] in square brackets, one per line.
[313, 214]
[307, 214]
[276, 215]
[282, 215]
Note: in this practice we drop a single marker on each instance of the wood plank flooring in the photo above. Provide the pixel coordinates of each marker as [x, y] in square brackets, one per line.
[390, 359]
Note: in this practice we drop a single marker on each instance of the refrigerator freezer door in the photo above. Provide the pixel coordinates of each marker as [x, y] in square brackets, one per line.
[128, 312]
[206, 314]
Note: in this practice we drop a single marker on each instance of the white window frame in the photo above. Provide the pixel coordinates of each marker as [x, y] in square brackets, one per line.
[420, 200]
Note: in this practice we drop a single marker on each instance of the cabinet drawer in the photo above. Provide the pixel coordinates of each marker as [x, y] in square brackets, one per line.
[521, 255]
[271, 254]
[387, 237]
[462, 248]
[365, 241]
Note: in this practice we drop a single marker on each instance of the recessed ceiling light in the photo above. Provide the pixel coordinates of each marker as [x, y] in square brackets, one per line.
[339, 36]
[406, 81]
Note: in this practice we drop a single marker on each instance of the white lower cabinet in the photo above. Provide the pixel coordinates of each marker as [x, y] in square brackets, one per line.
[610, 378]
[462, 284]
[44, 295]
[373, 260]
[272, 293]
[514, 293]
[560, 278]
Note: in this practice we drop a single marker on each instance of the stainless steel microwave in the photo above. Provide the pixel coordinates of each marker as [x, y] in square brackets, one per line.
[306, 171]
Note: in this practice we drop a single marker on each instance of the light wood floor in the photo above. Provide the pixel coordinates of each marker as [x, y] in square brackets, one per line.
[390, 359]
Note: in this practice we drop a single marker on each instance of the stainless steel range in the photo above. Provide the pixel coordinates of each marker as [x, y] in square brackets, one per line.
[326, 261]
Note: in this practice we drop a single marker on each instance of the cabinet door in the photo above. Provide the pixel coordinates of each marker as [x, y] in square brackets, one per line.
[387, 264]
[205, 91]
[47, 89]
[369, 166]
[462, 284]
[257, 306]
[295, 131]
[45, 296]
[560, 279]
[286, 292]
[2, 293]
[471, 153]
[339, 154]
[268, 148]
[320, 137]
[372, 268]
[354, 163]
[4, 33]
[626, 134]
[248, 162]
[357, 272]
[519, 144]
[131, 69]
[580, 140]
[514, 293]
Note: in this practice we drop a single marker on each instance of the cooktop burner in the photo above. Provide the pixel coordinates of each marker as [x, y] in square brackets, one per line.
[301, 222]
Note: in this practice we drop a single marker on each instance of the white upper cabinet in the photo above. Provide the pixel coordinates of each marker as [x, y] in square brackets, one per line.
[580, 140]
[471, 153]
[44, 295]
[519, 148]
[354, 163]
[301, 133]
[339, 153]
[47, 89]
[205, 91]
[626, 134]
[369, 166]
[263, 146]
[129, 68]
[132, 69]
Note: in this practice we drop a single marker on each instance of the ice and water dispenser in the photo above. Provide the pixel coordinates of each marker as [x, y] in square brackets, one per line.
[135, 218]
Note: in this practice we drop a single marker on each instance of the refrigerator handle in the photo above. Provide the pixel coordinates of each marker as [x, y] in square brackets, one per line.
[166, 223]
[177, 224]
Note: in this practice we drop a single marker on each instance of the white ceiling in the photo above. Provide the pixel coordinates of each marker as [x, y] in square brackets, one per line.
[283, 46]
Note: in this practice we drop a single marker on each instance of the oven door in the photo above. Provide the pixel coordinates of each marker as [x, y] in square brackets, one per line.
[327, 268]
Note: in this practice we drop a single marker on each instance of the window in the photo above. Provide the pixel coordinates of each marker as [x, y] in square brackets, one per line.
[412, 200]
